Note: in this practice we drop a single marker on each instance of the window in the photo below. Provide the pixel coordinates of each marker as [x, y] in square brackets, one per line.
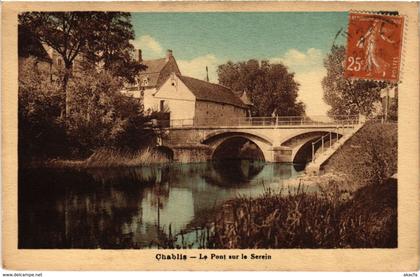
[162, 105]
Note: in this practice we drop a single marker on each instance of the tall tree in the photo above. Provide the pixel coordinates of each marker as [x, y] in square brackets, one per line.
[102, 37]
[111, 45]
[345, 96]
[271, 87]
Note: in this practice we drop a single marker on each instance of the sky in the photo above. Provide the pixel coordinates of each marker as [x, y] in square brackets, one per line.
[297, 39]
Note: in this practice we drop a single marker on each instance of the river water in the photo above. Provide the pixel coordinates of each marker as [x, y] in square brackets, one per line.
[133, 207]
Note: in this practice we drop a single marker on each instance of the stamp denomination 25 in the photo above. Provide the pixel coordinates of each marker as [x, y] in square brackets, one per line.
[374, 47]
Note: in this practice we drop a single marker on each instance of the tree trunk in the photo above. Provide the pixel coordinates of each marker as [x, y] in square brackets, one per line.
[66, 77]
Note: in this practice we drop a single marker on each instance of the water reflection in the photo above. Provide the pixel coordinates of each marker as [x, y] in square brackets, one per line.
[132, 207]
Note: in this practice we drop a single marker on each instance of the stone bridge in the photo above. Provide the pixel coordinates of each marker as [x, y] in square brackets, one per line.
[276, 142]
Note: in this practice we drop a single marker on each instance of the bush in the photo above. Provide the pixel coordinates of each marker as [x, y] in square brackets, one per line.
[41, 131]
[101, 116]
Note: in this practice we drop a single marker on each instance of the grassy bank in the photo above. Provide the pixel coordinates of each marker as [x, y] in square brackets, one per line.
[368, 158]
[114, 158]
[356, 210]
[106, 158]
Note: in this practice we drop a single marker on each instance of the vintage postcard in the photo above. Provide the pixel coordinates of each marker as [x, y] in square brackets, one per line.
[210, 136]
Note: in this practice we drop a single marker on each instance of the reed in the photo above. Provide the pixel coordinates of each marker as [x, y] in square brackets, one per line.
[118, 158]
[309, 220]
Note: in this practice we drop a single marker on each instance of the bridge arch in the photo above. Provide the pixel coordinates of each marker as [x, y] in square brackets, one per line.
[303, 133]
[222, 142]
[301, 144]
[224, 133]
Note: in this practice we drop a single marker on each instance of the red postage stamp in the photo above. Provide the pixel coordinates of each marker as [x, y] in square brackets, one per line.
[374, 47]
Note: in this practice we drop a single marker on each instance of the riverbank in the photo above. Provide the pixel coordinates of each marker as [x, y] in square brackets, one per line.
[356, 206]
[107, 158]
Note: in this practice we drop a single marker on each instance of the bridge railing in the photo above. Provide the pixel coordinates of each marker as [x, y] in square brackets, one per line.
[328, 139]
[259, 121]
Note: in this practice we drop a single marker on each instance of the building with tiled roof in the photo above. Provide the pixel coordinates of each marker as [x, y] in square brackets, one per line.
[206, 91]
[150, 79]
[183, 99]
[191, 101]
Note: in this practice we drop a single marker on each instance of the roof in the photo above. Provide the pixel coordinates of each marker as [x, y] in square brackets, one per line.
[157, 70]
[154, 66]
[152, 78]
[206, 91]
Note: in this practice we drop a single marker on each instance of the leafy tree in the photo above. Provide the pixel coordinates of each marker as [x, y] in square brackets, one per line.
[102, 37]
[345, 96]
[111, 45]
[41, 133]
[270, 86]
[102, 116]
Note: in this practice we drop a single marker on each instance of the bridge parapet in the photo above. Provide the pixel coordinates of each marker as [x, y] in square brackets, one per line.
[265, 122]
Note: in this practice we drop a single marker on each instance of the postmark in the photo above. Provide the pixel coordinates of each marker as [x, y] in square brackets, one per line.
[374, 47]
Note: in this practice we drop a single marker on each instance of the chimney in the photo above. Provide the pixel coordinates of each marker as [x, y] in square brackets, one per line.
[140, 57]
[168, 54]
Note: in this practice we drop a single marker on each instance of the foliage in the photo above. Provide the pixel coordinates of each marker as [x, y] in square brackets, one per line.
[102, 37]
[41, 132]
[270, 86]
[101, 115]
[65, 32]
[369, 157]
[111, 45]
[96, 51]
[345, 96]
[303, 220]
[393, 108]
[94, 120]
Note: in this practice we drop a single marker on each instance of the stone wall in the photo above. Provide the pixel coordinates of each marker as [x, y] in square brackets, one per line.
[191, 153]
[213, 114]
